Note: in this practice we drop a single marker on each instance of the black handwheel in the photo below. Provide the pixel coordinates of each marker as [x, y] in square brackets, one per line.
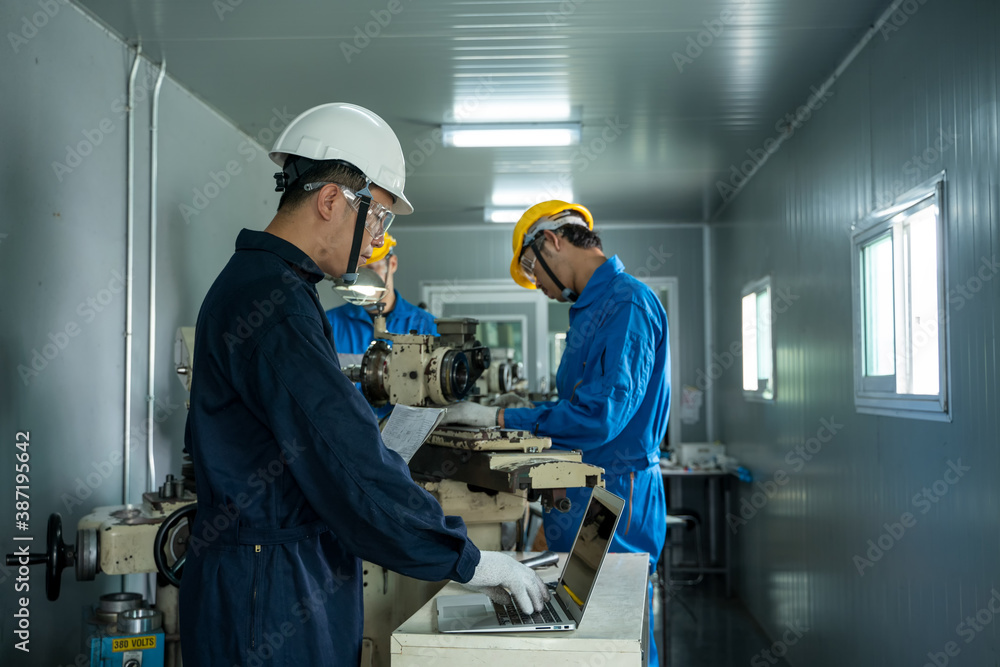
[169, 536]
[61, 555]
[58, 556]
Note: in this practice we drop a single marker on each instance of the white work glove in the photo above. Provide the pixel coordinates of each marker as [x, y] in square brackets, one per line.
[498, 573]
[469, 413]
[512, 400]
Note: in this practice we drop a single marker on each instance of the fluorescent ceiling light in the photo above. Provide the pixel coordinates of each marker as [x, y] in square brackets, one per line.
[503, 214]
[511, 134]
[469, 108]
[544, 188]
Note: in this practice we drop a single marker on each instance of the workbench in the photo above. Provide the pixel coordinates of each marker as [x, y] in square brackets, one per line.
[614, 631]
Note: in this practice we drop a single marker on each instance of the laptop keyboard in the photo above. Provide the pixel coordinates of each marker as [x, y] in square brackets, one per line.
[509, 614]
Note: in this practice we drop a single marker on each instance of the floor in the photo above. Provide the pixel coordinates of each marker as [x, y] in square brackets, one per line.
[708, 630]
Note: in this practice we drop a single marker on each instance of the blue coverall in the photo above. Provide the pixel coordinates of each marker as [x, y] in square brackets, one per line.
[294, 483]
[353, 330]
[614, 391]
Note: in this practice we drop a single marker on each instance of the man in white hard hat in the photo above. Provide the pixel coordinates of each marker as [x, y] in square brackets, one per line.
[294, 483]
[353, 324]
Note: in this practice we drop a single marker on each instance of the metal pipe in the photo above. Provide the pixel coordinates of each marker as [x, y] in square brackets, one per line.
[151, 372]
[817, 95]
[129, 252]
[707, 299]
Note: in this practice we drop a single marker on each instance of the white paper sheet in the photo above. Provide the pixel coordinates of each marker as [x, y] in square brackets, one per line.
[691, 400]
[407, 428]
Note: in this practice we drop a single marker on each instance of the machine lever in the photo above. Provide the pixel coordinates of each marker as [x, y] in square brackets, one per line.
[541, 560]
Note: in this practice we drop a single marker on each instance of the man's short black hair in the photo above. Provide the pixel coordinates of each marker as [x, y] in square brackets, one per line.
[323, 170]
[580, 236]
[577, 235]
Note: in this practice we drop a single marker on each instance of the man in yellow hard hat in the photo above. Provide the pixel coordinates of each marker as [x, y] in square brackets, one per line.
[353, 328]
[613, 379]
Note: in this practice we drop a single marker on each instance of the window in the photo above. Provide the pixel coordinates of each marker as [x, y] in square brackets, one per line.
[900, 323]
[758, 355]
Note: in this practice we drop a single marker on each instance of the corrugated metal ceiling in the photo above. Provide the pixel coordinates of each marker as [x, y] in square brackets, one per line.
[671, 93]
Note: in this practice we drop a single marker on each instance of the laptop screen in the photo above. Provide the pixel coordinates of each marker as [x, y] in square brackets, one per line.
[581, 569]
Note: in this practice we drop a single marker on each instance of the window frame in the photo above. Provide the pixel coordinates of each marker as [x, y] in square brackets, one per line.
[759, 395]
[877, 395]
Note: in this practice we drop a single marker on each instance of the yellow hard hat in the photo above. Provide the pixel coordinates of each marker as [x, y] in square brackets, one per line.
[547, 209]
[378, 254]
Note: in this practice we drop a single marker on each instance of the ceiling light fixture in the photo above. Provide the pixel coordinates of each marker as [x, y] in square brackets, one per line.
[511, 134]
[503, 214]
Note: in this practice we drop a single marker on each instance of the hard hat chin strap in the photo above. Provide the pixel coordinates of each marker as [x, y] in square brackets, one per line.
[364, 201]
[566, 292]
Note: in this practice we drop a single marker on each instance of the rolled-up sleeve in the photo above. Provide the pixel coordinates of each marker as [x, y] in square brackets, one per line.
[361, 490]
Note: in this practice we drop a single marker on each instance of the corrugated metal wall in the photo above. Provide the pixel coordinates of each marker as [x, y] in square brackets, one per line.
[919, 99]
[62, 246]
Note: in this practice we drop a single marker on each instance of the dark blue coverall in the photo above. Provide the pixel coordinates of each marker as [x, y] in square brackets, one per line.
[294, 483]
[354, 331]
[614, 391]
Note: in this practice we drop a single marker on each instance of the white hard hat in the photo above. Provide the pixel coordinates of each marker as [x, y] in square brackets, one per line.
[340, 131]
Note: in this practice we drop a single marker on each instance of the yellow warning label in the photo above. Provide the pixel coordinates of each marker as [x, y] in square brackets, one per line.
[133, 643]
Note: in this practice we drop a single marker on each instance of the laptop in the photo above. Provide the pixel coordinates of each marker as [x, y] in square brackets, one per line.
[569, 596]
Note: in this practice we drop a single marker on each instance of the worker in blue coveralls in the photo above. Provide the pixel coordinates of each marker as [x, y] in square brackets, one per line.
[353, 328]
[294, 483]
[613, 379]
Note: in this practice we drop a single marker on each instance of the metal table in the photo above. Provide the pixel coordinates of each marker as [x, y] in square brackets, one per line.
[717, 482]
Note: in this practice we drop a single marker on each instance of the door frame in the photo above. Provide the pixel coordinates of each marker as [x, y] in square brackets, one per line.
[671, 286]
[436, 294]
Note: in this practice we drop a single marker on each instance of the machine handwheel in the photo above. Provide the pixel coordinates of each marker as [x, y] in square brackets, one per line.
[173, 532]
[58, 556]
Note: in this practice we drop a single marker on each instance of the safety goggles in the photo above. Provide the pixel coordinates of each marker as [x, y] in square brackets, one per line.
[379, 217]
[528, 265]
